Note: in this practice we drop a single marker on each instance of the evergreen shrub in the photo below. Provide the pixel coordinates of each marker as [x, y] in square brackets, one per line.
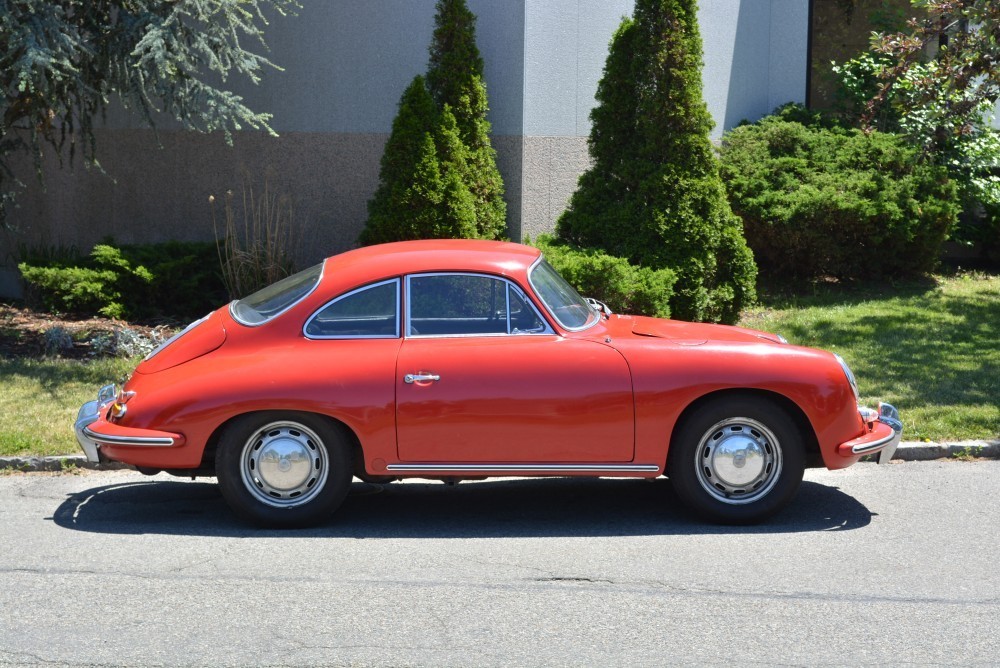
[422, 191]
[177, 280]
[438, 176]
[653, 194]
[624, 287]
[824, 201]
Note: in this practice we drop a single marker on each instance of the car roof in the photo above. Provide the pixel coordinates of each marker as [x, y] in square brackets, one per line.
[409, 257]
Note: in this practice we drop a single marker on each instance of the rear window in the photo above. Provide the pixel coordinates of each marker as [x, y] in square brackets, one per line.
[276, 298]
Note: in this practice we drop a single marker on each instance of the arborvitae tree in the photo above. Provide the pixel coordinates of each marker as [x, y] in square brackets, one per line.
[460, 213]
[462, 195]
[455, 79]
[653, 194]
[63, 61]
[421, 193]
[410, 177]
[455, 65]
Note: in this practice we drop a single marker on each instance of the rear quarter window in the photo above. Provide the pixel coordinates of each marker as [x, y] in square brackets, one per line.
[270, 302]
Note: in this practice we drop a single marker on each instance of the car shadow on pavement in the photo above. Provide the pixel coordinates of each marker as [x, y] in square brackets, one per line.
[553, 507]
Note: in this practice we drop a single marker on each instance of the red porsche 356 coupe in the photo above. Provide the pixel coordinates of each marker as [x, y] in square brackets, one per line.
[470, 359]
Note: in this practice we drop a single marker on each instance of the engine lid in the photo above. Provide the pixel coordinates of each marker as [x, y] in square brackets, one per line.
[199, 338]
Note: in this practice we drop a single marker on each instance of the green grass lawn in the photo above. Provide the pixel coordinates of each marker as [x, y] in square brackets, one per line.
[39, 400]
[930, 348]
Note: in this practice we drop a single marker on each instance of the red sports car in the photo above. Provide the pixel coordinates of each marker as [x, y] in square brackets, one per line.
[469, 359]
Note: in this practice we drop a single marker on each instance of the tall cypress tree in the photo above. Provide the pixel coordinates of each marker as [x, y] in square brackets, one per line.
[421, 192]
[409, 176]
[439, 176]
[456, 66]
[455, 78]
[653, 194]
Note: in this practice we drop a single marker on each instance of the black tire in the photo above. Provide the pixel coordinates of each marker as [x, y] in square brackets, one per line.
[283, 469]
[737, 460]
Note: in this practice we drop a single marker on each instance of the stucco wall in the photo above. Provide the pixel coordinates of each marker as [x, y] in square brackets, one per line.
[755, 60]
[346, 64]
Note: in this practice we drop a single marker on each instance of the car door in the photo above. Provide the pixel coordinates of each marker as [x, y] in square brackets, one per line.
[482, 377]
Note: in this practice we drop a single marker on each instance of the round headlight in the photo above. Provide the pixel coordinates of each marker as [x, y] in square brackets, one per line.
[850, 377]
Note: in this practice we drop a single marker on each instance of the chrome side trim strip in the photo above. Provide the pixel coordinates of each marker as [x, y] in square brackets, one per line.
[138, 441]
[524, 468]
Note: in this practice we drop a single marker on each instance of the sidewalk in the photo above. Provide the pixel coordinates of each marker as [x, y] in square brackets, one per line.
[913, 451]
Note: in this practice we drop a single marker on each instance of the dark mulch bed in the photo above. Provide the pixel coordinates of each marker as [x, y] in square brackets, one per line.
[28, 333]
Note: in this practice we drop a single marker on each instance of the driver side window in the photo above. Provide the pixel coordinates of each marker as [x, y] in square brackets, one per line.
[468, 305]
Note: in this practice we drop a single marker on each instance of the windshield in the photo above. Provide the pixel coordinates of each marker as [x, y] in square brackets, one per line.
[563, 302]
[276, 298]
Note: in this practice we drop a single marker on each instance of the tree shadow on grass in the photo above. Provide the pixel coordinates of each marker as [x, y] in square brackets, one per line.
[788, 295]
[555, 507]
[913, 345]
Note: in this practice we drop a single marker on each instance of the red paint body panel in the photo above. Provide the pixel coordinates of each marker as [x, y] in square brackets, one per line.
[686, 362]
[514, 399]
[201, 339]
[611, 394]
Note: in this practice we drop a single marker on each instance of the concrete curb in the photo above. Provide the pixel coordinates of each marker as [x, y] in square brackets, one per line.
[907, 452]
[916, 451]
[65, 463]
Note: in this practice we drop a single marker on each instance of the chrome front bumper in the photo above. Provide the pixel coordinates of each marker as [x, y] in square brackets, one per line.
[885, 433]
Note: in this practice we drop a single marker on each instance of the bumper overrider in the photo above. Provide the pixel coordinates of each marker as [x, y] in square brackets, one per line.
[94, 430]
[884, 432]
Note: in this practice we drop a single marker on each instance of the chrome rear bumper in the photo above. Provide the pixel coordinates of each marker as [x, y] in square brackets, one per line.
[88, 415]
[93, 430]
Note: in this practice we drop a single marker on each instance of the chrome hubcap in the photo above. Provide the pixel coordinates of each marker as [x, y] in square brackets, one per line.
[738, 461]
[284, 464]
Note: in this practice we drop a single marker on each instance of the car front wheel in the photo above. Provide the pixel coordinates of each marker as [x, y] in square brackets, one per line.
[283, 470]
[737, 460]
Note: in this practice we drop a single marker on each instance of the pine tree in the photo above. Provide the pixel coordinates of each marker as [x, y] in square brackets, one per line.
[62, 61]
[653, 194]
[464, 189]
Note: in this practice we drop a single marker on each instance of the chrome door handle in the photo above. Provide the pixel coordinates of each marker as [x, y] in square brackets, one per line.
[411, 378]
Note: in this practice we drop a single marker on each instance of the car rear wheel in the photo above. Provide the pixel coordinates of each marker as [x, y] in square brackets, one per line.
[737, 460]
[283, 469]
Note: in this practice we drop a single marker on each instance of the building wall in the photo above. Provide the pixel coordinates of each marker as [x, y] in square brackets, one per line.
[755, 54]
[345, 64]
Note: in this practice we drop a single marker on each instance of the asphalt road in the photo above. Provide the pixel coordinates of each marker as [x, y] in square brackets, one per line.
[893, 565]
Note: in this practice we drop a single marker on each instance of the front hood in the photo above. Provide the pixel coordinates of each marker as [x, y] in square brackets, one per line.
[695, 332]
